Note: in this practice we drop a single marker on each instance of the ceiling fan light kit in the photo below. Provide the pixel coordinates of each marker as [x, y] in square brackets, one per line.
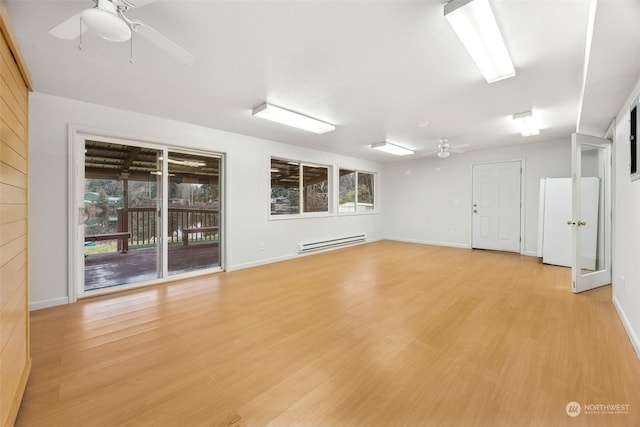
[107, 20]
[291, 118]
[526, 123]
[103, 21]
[476, 27]
[445, 149]
[391, 148]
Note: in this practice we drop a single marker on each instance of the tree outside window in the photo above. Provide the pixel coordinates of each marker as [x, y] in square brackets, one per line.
[356, 191]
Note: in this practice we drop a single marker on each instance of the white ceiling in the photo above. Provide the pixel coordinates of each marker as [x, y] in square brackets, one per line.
[374, 68]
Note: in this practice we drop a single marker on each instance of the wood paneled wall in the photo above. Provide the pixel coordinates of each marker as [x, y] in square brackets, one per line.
[15, 361]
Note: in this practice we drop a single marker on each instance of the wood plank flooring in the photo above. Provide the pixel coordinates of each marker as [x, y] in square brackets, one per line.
[382, 334]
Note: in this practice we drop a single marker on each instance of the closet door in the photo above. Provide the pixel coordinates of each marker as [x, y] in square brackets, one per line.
[15, 360]
[556, 248]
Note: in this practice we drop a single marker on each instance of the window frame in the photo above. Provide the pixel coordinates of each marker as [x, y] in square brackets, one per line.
[357, 171]
[301, 190]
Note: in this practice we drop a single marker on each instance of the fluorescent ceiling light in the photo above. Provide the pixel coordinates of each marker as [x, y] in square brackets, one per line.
[526, 123]
[390, 148]
[593, 4]
[477, 29]
[291, 118]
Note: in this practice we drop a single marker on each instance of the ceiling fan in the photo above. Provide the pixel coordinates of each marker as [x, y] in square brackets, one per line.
[445, 149]
[107, 19]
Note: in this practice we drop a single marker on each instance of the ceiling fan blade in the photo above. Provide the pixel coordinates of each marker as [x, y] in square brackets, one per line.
[430, 153]
[135, 3]
[69, 29]
[168, 45]
[455, 150]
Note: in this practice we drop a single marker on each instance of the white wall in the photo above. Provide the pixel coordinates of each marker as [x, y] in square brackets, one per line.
[247, 188]
[626, 234]
[428, 200]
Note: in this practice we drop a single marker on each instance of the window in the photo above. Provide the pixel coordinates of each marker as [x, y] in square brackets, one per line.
[298, 188]
[356, 191]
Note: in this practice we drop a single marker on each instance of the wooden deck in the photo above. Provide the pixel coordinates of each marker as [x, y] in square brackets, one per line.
[138, 265]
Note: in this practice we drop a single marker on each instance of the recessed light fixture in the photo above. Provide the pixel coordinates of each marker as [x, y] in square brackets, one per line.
[477, 29]
[390, 148]
[291, 118]
[526, 123]
[423, 123]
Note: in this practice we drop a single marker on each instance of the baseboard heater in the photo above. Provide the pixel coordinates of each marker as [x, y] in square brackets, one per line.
[326, 244]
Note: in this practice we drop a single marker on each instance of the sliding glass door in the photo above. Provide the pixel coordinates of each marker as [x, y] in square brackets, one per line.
[144, 213]
[122, 184]
[194, 212]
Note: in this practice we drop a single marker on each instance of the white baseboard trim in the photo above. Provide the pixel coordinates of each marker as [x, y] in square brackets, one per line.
[627, 326]
[38, 305]
[429, 242]
[447, 244]
[292, 256]
[260, 262]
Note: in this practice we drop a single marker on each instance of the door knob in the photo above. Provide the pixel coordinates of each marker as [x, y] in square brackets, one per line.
[581, 223]
[570, 222]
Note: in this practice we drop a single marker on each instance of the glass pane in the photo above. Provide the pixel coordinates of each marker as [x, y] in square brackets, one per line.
[365, 192]
[347, 190]
[121, 204]
[194, 213]
[315, 181]
[285, 187]
[590, 225]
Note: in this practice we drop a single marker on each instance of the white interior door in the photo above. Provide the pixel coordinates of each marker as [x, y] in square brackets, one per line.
[496, 206]
[557, 231]
[556, 235]
[591, 212]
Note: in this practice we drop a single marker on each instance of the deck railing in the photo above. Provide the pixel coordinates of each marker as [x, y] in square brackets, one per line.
[143, 224]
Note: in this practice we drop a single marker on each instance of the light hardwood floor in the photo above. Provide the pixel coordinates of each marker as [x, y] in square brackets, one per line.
[381, 334]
